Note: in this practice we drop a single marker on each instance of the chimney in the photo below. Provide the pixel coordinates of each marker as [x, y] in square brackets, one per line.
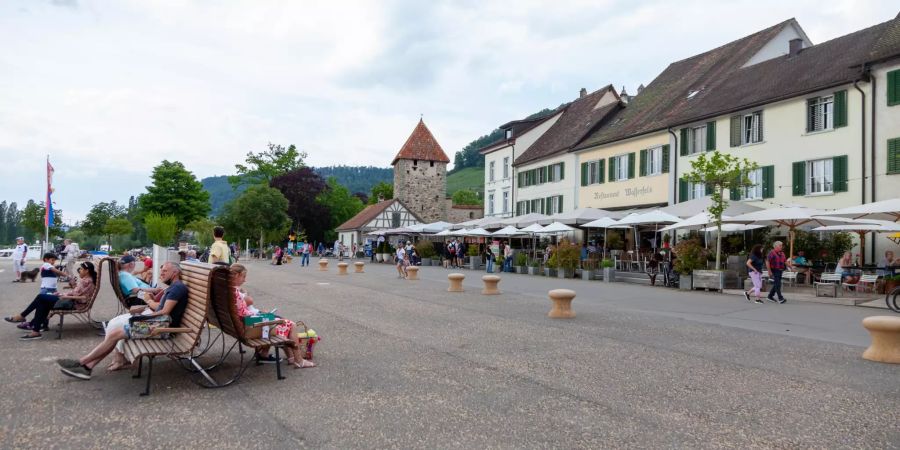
[582, 93]
[624, 95]
[380, 198]
[795, 45]
[640, 89]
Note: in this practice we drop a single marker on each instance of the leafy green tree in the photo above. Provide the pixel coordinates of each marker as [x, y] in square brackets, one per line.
[33, 220]
[466, 197]
[160, 228]
[177, 192]
[3, 229]
[202, 230]
[117, 226]
[99, 214]
[720, 171]
[76, 235]
[13, 221]
[342, 204]
[382, 189]
[262, 168]
[260, 211]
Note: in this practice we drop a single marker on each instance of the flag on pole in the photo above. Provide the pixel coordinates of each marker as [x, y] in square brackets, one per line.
[48, 209]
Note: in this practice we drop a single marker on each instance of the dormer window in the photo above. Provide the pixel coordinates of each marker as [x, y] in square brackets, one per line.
[509, 134]
[692, 94]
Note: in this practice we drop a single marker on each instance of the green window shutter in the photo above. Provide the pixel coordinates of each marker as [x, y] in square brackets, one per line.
[839, 167]
[710, 136]
[631, 165]
[799, 178]
[840, 109]
[684, 143]
[601, 170]
[665, 157]
[544, 205]
[643, 165]
[762, 137]
[559, 203]
[612, 169]
[584, 174]
[736, 131]
[734, 191]
[809, 116]
[682, 190]
[562, 171]
[768, 181]
[520, 177]
[893, 88]
[893, 150]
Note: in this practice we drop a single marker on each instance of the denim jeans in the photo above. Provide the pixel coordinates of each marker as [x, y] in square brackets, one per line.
[304, 260]
[776, 283]
[47, 291]
[507, 264]
[490, 265]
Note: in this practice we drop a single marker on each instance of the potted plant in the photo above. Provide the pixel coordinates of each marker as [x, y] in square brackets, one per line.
[891, 282]
[474, 257]
[387, 252]
[534, 268]
[690, 257]
[379, 252]
[550, 268]
[609, 270]
[426, 252]
[568, 256]
[521, 260]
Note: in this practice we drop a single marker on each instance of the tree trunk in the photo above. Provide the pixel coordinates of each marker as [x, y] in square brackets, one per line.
[261, 232]
[719, 245]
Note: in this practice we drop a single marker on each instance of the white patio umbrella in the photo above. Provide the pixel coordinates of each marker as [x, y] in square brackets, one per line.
[693, 207]
[696, 221]
[509, 231]
[478, 232]
[533, 228]
[524, 220]
[606, 223]
[655, 217]
[790, 217]
[579, 216]
[731, 228]
[883, 210]
[433, 227]
[555, 227]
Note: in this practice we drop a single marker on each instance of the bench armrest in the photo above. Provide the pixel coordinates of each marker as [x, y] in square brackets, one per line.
[265, 324]
[159, 331]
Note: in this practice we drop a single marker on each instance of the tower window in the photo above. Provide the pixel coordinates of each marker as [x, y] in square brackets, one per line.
[415, 162]
[432, 163]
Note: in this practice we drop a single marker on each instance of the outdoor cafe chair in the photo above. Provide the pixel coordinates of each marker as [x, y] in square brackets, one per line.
[865, 280]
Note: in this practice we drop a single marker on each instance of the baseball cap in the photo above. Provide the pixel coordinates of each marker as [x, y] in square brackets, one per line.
[126, 259]
[20, 238]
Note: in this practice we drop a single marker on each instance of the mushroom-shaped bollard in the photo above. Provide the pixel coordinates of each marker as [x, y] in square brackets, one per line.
[885, 331]
[323, 264]
[412, 273]
[490, 285]
[456, 280]
[342, 268]
[562, 304]
[359, 266]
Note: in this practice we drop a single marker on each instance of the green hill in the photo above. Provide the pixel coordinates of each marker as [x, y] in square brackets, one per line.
[468, 178]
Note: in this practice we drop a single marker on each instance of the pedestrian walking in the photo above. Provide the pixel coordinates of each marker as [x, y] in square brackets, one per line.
[401, 261]
[507, 257]
[489, 255]
[776, 262]
[19, 255]
[754, 268]
[304, 256]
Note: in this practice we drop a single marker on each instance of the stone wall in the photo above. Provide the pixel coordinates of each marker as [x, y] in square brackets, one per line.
[422, 187]
[457, 214]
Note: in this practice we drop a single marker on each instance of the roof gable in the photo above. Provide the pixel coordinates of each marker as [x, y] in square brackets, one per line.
[421, 145]
[372, 212]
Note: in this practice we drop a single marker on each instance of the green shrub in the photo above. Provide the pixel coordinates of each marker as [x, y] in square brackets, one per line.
[521, 259]
[472, 250]
[614, 241]
[552, 261]
[690, 256]
[607, 263]
[568, 256]
[425, 249]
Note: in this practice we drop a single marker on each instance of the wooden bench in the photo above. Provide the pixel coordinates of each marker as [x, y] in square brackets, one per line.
[198, 277]
[222, 313]
[82, 311]
[113, 269]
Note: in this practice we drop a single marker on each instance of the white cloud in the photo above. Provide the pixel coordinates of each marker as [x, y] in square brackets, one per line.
[109, 89]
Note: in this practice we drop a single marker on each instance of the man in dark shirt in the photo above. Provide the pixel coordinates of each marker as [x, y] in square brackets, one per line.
[776, 262]
[172, 303]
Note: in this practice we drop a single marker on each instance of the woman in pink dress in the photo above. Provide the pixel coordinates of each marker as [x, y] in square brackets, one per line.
[243, 301]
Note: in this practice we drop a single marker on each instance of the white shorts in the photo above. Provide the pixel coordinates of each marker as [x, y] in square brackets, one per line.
[18, 265]
[119, 322]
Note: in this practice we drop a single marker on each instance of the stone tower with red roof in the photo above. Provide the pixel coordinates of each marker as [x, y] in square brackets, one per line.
[420, 175]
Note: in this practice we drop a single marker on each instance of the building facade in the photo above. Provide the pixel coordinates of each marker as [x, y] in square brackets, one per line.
[420, 175]
[380, 216]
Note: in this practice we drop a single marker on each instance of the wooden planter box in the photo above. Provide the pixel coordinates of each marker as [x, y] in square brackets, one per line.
[426, 262]
[548, 272]
[709, 279]
[587, 274]
[609, 274]
[474, 262]
[565, 273]
[520, 269]
[685, 282]
[534, 270]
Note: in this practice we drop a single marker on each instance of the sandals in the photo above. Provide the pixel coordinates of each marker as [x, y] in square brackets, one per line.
[10, 319]
[304, 364]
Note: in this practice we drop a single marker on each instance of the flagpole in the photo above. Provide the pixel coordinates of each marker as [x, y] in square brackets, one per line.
[46, 210]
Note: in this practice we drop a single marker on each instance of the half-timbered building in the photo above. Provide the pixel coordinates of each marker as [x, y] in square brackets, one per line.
[380, 216]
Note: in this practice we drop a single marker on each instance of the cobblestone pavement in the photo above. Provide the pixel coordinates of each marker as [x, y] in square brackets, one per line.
[406, 364]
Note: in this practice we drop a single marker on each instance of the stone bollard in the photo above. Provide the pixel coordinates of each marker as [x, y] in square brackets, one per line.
[323, 264]
[490, 285]
[342, 268]
[412, 273]
[359, 266]
[885, 331]
[562, 304]
[456, 280]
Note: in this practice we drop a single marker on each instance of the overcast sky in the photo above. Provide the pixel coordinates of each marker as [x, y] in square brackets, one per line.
[111, 88]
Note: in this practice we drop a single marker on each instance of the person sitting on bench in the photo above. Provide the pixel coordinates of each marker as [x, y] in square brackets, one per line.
[43, 303]
[131, 286]
[172, 303]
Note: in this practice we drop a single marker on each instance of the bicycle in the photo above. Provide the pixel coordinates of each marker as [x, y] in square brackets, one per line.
[893, 299]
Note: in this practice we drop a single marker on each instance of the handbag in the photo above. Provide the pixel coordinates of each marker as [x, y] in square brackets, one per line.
[64, 303]
[142, 327]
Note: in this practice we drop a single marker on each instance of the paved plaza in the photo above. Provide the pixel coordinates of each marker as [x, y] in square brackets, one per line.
[405, 364]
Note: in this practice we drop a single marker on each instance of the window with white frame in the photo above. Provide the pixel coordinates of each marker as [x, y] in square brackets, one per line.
[491, 171]
[490, 203]
[506, 167]
[542, 175]
[821, 113]
[654, 161]
[820, 176]
[755, 190]
[696, 190]
[593, 172]
[622, 167]
[555, 205]
[556, 174]
[697, 140]
[505, 202]
[750, 128]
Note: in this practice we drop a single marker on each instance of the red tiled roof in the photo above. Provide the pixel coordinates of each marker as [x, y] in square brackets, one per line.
[365, 216]
[421, 145]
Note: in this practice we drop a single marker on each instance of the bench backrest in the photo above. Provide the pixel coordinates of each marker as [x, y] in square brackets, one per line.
[198, 277]
[830, 277]
[93, 295]
[868, 279]
[113, 268]
[222, 310]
